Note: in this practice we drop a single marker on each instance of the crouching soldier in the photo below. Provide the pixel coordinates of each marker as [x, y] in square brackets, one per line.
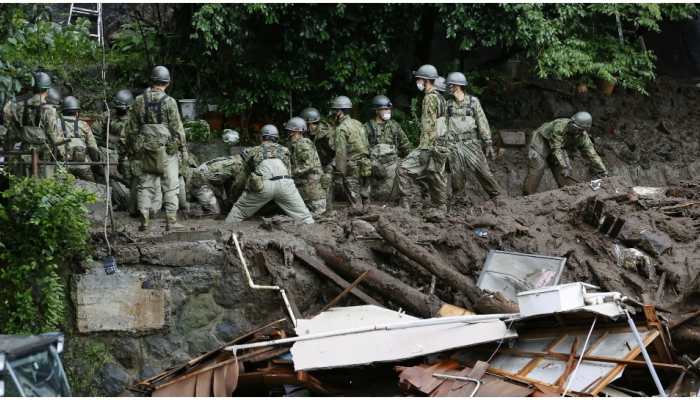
[548, 149]
[306, 166]
[387, 143]
[267, 167]
[80, 144]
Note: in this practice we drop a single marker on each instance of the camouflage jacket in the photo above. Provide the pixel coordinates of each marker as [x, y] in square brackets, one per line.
[254, 156]
[83, 138]
[430, 112]
[350, 143]
[323, 136]
[559, 141]
[304, 159]
[117, 131]
[47, 118]
[388, 132]
[469, 109]
[169, 113]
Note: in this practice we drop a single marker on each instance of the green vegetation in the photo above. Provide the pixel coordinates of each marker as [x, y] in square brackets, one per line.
[44, 230]
[83, 360]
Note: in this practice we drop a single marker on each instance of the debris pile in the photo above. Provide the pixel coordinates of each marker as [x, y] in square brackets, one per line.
[587, 290]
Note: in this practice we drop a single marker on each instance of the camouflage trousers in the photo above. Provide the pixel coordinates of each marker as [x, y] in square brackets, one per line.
[283, 192]
[536, 166]
[469, 156]
[312, 192]
[170, 185]
[421, 167]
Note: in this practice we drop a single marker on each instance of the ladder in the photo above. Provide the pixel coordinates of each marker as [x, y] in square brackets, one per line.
[90, 12]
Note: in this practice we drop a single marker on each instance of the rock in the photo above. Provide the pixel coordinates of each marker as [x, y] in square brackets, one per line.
[199, 311]
[96, 211]
[201, 341]
[126, 350]
[127, 254]
[182, 254]
[127, 307]
[226, 330]
[113, 379]
[363, 229]
[161, 348]
[655, 242]
[513, 138]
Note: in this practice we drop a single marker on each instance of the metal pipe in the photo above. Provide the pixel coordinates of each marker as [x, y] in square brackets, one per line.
[462, 378]
[15, 380]
[643, 348]
[253, 285]
[469, 319]
[570, 379]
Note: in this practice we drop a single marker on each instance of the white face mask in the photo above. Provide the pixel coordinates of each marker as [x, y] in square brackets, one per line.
[385, 115]
[420, 85]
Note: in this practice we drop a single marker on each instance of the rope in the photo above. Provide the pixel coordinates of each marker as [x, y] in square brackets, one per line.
[108, 194]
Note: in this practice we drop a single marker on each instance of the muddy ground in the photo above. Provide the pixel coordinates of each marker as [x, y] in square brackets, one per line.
[645, 141]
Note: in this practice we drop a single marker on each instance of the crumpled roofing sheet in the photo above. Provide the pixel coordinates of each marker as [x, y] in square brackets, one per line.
[383, 345]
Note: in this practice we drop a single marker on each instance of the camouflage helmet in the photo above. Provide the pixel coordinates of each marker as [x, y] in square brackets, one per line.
[426, 71]
[230, 136]
[42, 81]
[440, 85]
[381, 101]
[296, 124]
[160, 74]
[456, 78]
[341, 103]
[123, 99]
[54, 97]
[582, 120]
[269, 132]
[310, 115]
[70, 103]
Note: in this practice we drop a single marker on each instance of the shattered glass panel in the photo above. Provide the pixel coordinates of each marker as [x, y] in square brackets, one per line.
[510, 273]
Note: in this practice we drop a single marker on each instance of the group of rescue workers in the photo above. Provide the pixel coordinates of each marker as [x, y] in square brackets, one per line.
[140, 148]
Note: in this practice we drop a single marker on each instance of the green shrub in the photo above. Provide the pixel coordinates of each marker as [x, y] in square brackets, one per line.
[44, 228]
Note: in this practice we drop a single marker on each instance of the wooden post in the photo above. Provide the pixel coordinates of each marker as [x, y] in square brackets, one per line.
[35, 163]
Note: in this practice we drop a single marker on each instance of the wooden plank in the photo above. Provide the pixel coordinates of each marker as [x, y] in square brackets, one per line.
[569, 364]
[345, 291]
[536, 360]
[661, 345]
[564, 356]
[321, 268]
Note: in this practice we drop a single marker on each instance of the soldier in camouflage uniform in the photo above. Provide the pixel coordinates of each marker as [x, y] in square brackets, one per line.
[549, 147]
[123, 196]
[218, 181]
[388, 142]
[268, 179]
[322, 133]
[352, 164]
[156, 134]
[427, 162]
[80, 144]
[465, 126]
[306, 166]
[33, 124]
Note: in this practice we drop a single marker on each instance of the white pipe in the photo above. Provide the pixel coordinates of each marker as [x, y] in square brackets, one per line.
[253, 285]
[583, 352]
[643, 348]
[462, 378]
[386, 327]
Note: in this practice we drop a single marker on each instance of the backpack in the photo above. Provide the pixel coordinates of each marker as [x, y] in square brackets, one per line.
[460, 126]
[75, 145]
[255, 180]
[153, 138]
[30, 132]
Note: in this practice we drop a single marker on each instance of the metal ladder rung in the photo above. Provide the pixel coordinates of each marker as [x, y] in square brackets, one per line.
[79, 10]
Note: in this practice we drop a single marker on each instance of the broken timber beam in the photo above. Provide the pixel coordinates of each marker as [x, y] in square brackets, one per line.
[410, 298]
[321, 268]
[482, 302]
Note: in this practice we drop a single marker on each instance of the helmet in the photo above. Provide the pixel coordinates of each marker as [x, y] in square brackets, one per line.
[70, 103]
[426, 71]
[269, 131]
[582, 120]
[296, 124]
[160, 74]
[381, 101]
[440, 85]
[54, 97]
[230, 136]
[341, 103]
[123, 99]
[456, 78]
[42, 81]
[310, 115]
